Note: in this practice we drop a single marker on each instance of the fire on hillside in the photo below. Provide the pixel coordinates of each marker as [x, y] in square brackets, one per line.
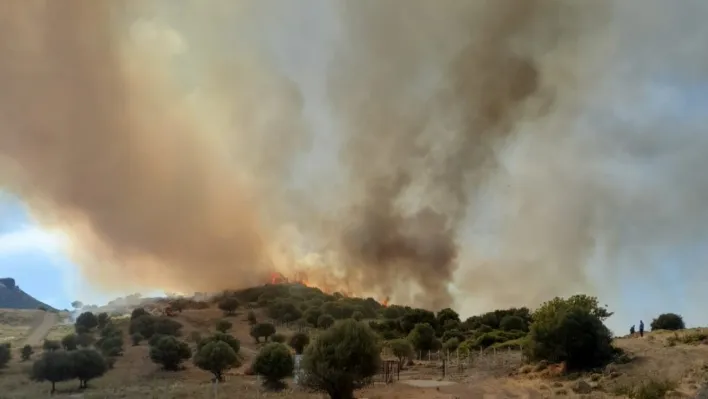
[301, 278]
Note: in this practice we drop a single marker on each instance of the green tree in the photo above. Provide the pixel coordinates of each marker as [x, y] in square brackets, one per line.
[510, 323]
[26, 352]
[5, 355]
[50, 345]
[87, 364]
[229, 305]
[223, 326]
[342, 359]
[668, 321]
[262, 330]
[53, 366]
[422, 337]
[446, 315]
[70, 342]
[299, 341]
[311, 315]
[570, 332]
[402, 349]
[274, 362]
[138, 312]
[169, 352]
[86, 322]
[216, 357]
[588, 303]
[111, 346]
[451, 344]
[103, 319]
[325, 321]
[229, 340]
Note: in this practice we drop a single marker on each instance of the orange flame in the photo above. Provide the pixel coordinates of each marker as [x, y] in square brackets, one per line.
[300, 277]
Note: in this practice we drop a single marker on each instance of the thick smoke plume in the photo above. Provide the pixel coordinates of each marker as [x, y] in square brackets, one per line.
[486, 153]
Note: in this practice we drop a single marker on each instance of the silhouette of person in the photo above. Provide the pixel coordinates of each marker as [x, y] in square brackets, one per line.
[631, 331]
[641, 328]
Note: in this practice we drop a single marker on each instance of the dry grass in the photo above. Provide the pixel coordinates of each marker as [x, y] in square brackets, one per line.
[15, 325]
[681, 365]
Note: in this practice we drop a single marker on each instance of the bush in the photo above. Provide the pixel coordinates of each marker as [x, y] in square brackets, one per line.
[111, 346]
[53, 366]
[5, 355]
[668, 321]
[223, 326]
[449, 334]
[262, 330]
[312, 315]
[26, 352]
[138, 312]
[571, 333]
[86, 322]
[216, 357]
[252, 318]
[451, 345]
[511, 323]
[136, 339]
[103, 319]
[85, 340]
[422, 337]
[50, 345]
[342, 359]
[169, 352]
[358, 316]
[70, 342]
[278, 337]
[229, 305]
[402, 349]
[299, 341]
[274, 362]
[325, 321]
[87, 365]
[229, 340]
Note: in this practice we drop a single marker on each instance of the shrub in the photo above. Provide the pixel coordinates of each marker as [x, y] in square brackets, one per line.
[342, 359]
[449, 334]
[422, 337]
[451, 344]
[447, 315]
[143, 325]
[26, 352]
[86, 322]
[571, 333]
[216, 357]
[103, 319]
[325, 321]
[668, 321]
[169, 352]
[229, 305]
[223, 326]
[312, 315]
[167, 326]
[50, 345]
[279, 338]
[111, 346]
[262, 330]
[85, 340]
[138, 312]
[252, 318]
[274, 362]
[229, 340]
[358, 316]
[53, 366]
[402, 349]
[70, 342]
[136, 338]
[510, 323]
[87, 365]
[299, 341]
[5, 355]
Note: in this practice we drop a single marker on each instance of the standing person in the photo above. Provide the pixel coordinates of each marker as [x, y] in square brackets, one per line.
[641, 328]
[631, 331]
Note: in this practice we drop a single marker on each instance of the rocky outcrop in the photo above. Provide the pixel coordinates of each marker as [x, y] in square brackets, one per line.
[12, 297]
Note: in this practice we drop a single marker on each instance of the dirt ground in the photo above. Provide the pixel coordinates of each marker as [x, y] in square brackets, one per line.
[135, 376]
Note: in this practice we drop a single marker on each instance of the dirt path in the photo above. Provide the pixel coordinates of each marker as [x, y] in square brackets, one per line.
[40, 332]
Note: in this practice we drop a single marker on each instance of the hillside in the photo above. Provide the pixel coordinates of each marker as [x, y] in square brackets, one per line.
[493, 367]
[12, 297]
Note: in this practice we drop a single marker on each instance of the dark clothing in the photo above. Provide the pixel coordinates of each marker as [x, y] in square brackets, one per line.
[641, 328]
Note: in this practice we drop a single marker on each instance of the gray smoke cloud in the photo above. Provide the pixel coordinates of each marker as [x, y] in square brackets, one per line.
[479, 154]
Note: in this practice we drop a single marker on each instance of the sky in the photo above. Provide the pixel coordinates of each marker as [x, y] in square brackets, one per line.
[670, 97]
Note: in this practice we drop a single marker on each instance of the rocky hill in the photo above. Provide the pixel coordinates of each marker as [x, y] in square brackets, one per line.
[12, 297]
